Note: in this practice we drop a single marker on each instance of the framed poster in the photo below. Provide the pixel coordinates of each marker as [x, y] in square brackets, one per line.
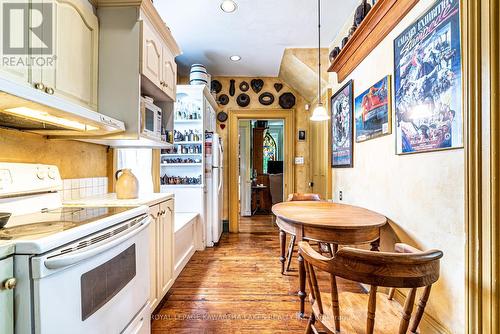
[373, 111]
[341, 106]
[428, 81]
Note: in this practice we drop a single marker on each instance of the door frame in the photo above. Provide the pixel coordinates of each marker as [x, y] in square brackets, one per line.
[288, 116]
[481, 80]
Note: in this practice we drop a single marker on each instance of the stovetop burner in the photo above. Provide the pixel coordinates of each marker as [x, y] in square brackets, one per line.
[48, 222]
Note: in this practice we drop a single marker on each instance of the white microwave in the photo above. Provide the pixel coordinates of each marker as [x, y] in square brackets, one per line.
[151, 119]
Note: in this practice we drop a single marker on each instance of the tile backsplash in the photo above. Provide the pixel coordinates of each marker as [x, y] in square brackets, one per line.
[80, 188]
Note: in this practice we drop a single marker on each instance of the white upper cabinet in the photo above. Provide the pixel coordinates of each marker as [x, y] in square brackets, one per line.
[71, 71]
[158, 62]
[74, 76]
[169, 72]
[152, 48]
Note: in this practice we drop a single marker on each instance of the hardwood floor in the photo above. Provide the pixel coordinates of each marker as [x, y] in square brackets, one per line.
[237, 287]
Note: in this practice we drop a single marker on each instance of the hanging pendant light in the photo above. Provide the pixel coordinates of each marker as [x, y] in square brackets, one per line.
[319, 113]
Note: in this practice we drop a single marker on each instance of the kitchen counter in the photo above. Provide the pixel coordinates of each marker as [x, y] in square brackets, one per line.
[6, 248]
[111, 200]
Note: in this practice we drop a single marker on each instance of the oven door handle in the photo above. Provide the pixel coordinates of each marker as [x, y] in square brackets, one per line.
[70, 259]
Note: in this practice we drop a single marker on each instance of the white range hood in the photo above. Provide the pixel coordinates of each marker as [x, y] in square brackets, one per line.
[28, 109]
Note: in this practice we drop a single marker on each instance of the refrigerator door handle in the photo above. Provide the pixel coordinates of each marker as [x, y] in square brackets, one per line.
[220, 180]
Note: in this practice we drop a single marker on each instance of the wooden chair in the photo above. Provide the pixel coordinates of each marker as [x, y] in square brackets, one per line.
[406, 268]
[293, 238]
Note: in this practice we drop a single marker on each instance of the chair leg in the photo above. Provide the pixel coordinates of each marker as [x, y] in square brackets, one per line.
[420, 309]
[310, 324]
[290, 252]
[282, 250]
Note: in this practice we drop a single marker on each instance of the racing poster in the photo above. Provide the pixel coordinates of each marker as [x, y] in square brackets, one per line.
[427, 81]
[341, 106]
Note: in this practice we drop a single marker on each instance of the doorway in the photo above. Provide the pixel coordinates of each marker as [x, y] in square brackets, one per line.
[261, 144]
[257, 157]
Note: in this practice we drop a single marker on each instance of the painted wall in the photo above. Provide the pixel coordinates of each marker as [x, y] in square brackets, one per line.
[421, 194]
[74, 159]
[301, 122]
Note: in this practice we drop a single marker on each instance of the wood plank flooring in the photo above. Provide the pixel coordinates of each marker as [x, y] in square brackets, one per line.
[237, 287]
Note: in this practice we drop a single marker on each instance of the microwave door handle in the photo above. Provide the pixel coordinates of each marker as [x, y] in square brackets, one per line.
[70, 259]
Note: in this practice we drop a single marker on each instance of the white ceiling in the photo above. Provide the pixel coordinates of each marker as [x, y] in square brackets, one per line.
[258, 31]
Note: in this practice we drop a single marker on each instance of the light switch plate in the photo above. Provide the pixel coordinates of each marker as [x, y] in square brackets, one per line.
[299, 160]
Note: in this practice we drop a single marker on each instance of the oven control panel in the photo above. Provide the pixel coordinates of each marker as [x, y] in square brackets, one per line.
[19, 178]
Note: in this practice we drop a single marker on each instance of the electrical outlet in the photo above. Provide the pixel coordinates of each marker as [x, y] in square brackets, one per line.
[340, 195]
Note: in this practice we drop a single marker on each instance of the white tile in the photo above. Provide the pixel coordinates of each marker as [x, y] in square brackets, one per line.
[95, 182]
[67, 184]
[83, 192]
[75, 183]
[88, 183]
[101, 181]
[67, 195]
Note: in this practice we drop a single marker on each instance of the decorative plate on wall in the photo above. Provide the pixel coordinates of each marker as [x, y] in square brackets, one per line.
[287, 100]
[266, 98]
[243, 100]
[223, 99]
[278, 87]
[222, 117]
[244, 86]
[232, 90]
[216, 86]
[257, 85]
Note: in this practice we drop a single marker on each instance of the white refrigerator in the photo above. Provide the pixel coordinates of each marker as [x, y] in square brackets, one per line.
[215, 177]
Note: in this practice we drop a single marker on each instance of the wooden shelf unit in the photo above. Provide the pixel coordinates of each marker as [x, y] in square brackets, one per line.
[381, 19]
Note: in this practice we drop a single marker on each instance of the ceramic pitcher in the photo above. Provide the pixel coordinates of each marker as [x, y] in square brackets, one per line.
[127, 185]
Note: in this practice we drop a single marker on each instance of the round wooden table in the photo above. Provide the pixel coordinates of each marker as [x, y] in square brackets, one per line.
[326, 222]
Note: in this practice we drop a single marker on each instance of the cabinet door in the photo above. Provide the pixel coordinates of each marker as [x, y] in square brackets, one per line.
[74, 76]
[151, 64]
[169, 73]
[6, 297]
[153, 256]
[166, 246]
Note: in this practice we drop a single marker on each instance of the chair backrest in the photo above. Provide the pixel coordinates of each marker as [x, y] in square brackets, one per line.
[303, 197]
[276, 187]
[407, 267]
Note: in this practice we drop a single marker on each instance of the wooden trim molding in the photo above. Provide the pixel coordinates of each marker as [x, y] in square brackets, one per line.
[379, 22]
[480, 45]
[155, 170]
[288, 115]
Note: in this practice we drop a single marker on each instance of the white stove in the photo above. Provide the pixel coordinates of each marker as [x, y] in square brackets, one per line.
[81, 268]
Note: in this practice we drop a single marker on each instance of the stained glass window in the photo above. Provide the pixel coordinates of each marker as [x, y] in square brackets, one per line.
[269, 150]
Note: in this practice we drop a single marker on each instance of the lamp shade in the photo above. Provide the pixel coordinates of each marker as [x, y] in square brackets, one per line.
[320, 114]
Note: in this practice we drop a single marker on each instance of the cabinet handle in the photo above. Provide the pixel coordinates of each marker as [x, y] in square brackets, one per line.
[10, 284]
[39, 85]
[162, 83]
[163, 212]
[49, 90]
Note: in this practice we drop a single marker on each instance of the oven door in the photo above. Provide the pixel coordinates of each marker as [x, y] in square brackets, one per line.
[95, 285]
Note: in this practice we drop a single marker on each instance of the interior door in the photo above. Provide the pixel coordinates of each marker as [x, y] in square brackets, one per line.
[245, 169]
[319, 159]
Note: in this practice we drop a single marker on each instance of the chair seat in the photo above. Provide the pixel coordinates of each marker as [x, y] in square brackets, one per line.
[353, 313]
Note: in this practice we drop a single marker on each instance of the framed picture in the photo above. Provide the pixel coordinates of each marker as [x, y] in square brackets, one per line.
[373, 111]
[341, 107]
[428, 82]
[302, 135]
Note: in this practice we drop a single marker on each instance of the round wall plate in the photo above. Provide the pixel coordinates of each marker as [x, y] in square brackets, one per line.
[287, 100]
[266, 98]
[223, 99]
[216, 86]
[244, 86]
[222, 116]
[243, 100]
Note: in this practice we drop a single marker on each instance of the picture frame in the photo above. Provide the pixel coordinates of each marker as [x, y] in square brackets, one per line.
[302, 135]
[373, 111]
[341, 128]
[428, 82]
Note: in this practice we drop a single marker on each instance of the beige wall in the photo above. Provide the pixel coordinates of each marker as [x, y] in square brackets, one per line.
[74, 159]
[421, 194]
[301, 122]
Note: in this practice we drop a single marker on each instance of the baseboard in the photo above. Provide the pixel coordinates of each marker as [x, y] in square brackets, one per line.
[429, 324]
[183, 261]
[225, 226]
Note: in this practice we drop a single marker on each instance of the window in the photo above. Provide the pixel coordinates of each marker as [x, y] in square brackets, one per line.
[269, 150]
[140, 161]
